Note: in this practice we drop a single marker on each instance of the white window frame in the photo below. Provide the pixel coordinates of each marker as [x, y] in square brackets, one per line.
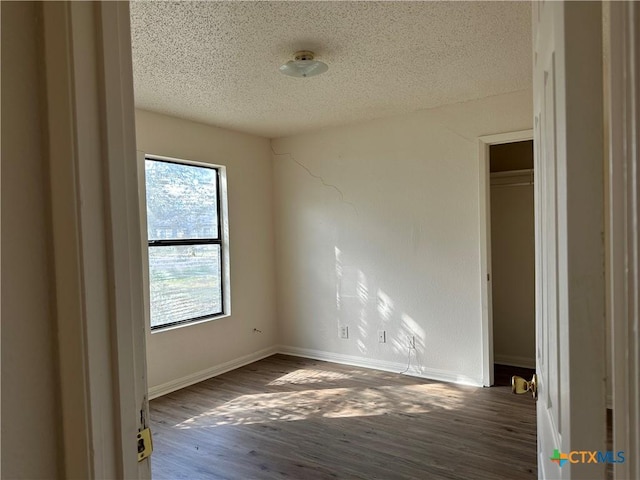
[224, 232]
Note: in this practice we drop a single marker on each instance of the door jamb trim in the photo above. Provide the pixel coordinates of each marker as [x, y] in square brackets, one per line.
[484, 212]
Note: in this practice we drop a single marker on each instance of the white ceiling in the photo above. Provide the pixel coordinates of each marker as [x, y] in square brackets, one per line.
[217, 62]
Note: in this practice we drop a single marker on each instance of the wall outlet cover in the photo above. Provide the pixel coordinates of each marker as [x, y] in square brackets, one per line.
[343, 331]
[382, 336]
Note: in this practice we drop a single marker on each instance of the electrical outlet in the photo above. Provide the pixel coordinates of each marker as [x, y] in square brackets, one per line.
[382, 336]
[343, 331]
[411, 340]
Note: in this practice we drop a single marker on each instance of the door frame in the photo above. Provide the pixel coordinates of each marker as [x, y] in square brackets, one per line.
[484, 206]
[90, 127]
[623, 246]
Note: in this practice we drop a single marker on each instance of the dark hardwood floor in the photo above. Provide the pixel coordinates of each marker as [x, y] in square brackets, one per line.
[289, 417]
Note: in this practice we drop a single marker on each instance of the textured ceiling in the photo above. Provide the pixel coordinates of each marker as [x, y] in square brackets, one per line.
[217, 62]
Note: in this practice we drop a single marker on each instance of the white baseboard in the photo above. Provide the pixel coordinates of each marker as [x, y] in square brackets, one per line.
[415, 371]
[172, 386]
[514, 361]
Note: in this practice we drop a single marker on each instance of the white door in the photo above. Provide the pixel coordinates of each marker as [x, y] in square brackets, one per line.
[569, 237]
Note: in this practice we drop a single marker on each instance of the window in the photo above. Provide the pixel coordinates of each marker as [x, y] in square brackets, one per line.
[187, 269]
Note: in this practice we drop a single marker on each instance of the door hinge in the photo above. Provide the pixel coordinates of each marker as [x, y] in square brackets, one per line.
[488, 277]
[145, 444]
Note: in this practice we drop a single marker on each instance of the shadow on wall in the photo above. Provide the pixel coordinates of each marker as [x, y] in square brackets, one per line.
[402, 263]
[353, 294]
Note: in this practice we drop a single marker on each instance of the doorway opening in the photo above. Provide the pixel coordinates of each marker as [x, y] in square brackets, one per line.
[512, 267]
[506, 192]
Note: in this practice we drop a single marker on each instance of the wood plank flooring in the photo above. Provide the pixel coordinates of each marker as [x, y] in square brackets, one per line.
[295, 418]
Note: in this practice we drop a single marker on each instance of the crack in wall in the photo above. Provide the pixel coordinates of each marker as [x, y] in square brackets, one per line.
[317, 177]
[455, 133]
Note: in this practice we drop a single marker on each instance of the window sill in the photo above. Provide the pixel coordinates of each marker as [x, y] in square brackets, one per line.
[189, 324]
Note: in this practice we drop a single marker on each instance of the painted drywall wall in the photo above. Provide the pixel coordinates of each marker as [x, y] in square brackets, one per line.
[182, 353]
[377, 228]
[30, 412]
[513, 267]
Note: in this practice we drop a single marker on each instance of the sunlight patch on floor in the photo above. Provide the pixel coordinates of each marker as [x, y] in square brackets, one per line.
[308, 375]
[329, 403]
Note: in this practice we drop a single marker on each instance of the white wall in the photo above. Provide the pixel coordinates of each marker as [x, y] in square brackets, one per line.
[384, 234]
[182, 353]
[513, 274]
[30, 410]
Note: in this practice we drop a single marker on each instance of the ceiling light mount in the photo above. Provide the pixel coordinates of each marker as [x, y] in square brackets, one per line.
[303, 55]
[303, 65]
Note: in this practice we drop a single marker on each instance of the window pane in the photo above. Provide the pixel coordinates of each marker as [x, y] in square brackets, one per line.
[184, 282]
[181, 201]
